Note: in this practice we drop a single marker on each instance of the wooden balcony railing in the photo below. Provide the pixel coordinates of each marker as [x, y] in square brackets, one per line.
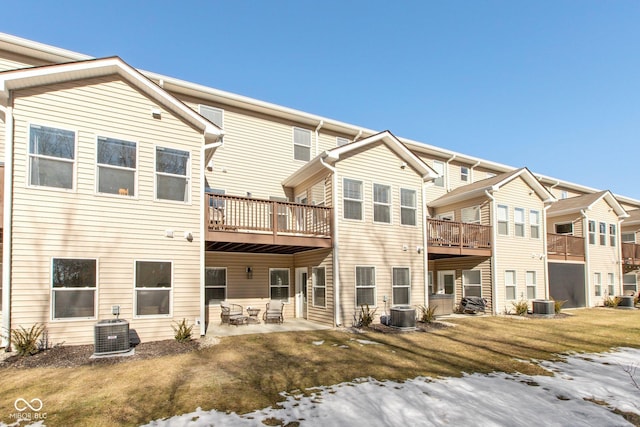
[458, 238]
[242, 214]
[565, 247]
[630, 256]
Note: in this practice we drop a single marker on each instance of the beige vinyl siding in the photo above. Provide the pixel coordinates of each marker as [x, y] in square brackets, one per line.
[115, 230]
[573, 218]
[12, 61]
[465, 263]
[254, 291]
[319, 258]
[557, 192]
[521, 254]
[603, 259]
[3, 143]
[365, 243]
[456, 208]
[255, 146]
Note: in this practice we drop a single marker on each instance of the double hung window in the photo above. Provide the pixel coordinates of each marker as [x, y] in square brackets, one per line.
[52, 157]
[172, 174]
[117, 162]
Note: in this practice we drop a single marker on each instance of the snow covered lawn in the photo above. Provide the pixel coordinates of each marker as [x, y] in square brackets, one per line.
[566, 398]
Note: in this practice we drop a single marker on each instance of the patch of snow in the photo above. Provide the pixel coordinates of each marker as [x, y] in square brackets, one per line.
[317, 342]
[367, 342]
[497, 399]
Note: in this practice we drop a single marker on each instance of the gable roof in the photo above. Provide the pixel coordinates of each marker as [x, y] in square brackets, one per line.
[633, 218]
[492, 184]
[330, 157]
[585, 202]
[71, 71]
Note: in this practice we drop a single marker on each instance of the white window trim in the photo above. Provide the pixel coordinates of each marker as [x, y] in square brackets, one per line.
[389, 205]
[499, 221]
[602, 237]
[226, 282]
[156, 173]
[534, 225]
[478, 285]
[436, 164]
[628, 233]
[293, 139]
[314, 287]
[593, 233]
[514, 285]
[356, 287]
[135, 171]
[446, 216]
[288, 286]
[413, 208]
[393, 285]
[361, 200]
[200, 106]
[135, 292]
[523, 223]
[430, 282]
[344, 141]
[476, 208]
[597, 284]
[74, 178]
[464, 177]
[555, 224]
[51, 297]
[533, 285]
[611, 284]
[613, 237]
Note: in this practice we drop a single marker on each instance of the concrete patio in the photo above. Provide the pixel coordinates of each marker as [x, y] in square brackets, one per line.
[289, 325]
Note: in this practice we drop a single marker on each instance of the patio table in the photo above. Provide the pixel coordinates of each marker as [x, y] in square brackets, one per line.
[253, 314]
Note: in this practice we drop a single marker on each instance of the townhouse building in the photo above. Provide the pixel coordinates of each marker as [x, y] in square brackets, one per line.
[164, 198]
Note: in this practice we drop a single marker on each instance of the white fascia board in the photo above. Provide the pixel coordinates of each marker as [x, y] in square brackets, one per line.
[39, 76]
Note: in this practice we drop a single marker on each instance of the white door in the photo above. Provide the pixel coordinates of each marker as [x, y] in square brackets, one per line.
[446, 282]
[302, 275]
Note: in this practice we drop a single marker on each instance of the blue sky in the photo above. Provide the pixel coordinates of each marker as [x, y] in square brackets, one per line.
[551, 85]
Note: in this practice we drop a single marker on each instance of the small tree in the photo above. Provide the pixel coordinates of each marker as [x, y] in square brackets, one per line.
[182, 331]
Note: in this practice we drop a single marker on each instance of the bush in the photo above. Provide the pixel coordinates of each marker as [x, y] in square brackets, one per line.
[611, 302]
[365, 316]
[521, 307]
[27, 342]
[182, 331]
[428, 314]
[557, 305]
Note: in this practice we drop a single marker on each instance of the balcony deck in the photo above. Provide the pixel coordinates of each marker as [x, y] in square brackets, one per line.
[563, 247]
[450, 238]
[242, 224]
[630, 257]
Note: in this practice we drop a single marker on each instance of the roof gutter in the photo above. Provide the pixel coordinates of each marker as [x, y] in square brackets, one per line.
[334, 242]
[318, 135]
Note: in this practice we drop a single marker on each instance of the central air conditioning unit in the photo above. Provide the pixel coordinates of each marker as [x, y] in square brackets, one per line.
[544, 307]
[111, 337]
[403, 317]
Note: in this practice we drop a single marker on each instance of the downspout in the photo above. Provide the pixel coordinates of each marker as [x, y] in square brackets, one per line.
[8, 211]
[620, 263]
[334, 244]
[494, 261]
[473, 178]
[547, 287]
[447, 174]
[425, 254]
[203, 230]
[587, 276]
[318, 135]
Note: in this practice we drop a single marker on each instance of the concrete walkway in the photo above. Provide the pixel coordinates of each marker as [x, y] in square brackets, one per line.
[289, 325]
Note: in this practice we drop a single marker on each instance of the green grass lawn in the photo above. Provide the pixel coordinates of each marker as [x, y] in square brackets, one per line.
[246, 373]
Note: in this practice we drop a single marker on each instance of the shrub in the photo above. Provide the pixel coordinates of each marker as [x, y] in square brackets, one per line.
[27, 342]
[611, 302]
[521, 307]
[182, 331]
[557, 305]
[428, 314]
[365, 316]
